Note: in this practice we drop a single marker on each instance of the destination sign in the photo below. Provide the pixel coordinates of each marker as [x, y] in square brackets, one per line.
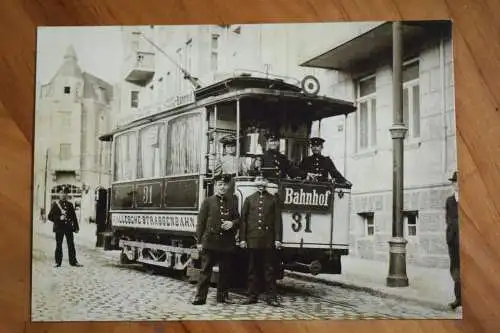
[306, 197]
[172, 222]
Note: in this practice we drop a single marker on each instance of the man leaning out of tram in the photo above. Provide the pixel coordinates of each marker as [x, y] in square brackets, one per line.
[218, 221]
[318, 167]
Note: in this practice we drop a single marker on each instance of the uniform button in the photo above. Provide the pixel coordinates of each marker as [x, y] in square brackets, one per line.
[220, 234]
[260, 221]
[259, 228]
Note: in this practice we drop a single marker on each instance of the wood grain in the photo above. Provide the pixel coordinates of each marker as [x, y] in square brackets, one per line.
[476, 34]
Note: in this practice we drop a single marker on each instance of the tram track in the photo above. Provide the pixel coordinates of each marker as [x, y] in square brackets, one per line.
[106, 288]
[285, 290]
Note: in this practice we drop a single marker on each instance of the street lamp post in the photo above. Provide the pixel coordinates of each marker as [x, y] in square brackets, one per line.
[397, 245]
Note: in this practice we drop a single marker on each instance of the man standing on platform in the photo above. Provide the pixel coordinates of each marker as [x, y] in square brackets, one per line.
[218, 221]
[275, 164]
[261, 233]
[62, 214]
[453, 241]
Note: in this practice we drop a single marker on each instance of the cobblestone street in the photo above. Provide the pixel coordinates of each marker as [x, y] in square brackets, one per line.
[102, 290]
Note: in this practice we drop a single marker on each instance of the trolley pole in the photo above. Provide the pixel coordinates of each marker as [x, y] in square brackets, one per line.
[397, 245]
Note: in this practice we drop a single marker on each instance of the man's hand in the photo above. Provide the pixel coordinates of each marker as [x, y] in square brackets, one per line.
[199, 247]
[243, 245]
[226, 225]
[278, 244]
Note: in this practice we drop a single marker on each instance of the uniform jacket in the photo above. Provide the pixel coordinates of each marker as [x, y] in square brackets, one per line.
[209, 230]
[452, 236]
[261, 223]
[71, 221]
[281, 165]
[322, 165]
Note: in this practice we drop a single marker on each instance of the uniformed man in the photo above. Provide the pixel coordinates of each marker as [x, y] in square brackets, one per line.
[275, 164]
[453, 241]
[261, 233]
[318, 167]
[62, 214]
[218, 221]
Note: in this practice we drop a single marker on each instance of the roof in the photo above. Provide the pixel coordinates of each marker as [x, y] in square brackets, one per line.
[70, 65]
[377, 41]
[241, 82]
[90, 85]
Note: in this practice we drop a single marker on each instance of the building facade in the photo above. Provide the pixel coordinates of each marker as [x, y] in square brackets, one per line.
[352, 62]
[72, 110]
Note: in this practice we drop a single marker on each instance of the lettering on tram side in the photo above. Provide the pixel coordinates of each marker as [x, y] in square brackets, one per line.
[297, 224]
[148, 194]
[174, 222]
[306, 197]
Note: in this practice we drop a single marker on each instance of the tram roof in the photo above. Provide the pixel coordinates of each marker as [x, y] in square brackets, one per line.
[257, 89]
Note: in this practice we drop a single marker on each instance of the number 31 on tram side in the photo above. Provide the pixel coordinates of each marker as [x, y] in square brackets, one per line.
[164, 166]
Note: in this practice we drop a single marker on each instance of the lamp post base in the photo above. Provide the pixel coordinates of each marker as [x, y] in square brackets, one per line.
[397, 263]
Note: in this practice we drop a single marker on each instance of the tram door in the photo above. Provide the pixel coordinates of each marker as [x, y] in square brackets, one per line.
[101, 213]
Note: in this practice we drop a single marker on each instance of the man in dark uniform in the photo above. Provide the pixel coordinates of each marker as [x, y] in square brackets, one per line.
[62, 214]
[275, 164]
[318, 167]
[261, 233]
[218, 221]
[452, 239]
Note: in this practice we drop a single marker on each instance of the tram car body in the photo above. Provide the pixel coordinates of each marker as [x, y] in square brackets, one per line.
[164, 166]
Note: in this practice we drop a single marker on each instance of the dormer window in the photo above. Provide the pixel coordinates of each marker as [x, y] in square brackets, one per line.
[67, 90]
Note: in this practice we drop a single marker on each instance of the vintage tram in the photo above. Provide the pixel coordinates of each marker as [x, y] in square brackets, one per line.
[164, 167]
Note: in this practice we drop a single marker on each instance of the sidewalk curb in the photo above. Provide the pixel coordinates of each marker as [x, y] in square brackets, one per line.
[370, 290]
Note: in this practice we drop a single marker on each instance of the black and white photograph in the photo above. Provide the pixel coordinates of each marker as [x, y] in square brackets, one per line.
[298, 171]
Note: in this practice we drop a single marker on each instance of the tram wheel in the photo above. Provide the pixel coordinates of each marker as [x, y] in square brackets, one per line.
[124, 260]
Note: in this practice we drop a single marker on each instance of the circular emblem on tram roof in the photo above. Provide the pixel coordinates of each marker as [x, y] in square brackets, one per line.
[310, 85]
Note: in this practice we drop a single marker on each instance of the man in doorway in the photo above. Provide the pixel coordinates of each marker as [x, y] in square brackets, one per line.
[275, 164]
[318, 167]
[62, 214]
[261, 233]
[218, 221]
[453, 241]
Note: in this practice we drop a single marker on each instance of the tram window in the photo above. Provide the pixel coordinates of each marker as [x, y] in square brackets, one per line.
[149, 161]
[183, 144]
[126, 157]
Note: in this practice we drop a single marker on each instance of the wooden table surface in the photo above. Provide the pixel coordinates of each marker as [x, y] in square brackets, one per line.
[476, 35]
